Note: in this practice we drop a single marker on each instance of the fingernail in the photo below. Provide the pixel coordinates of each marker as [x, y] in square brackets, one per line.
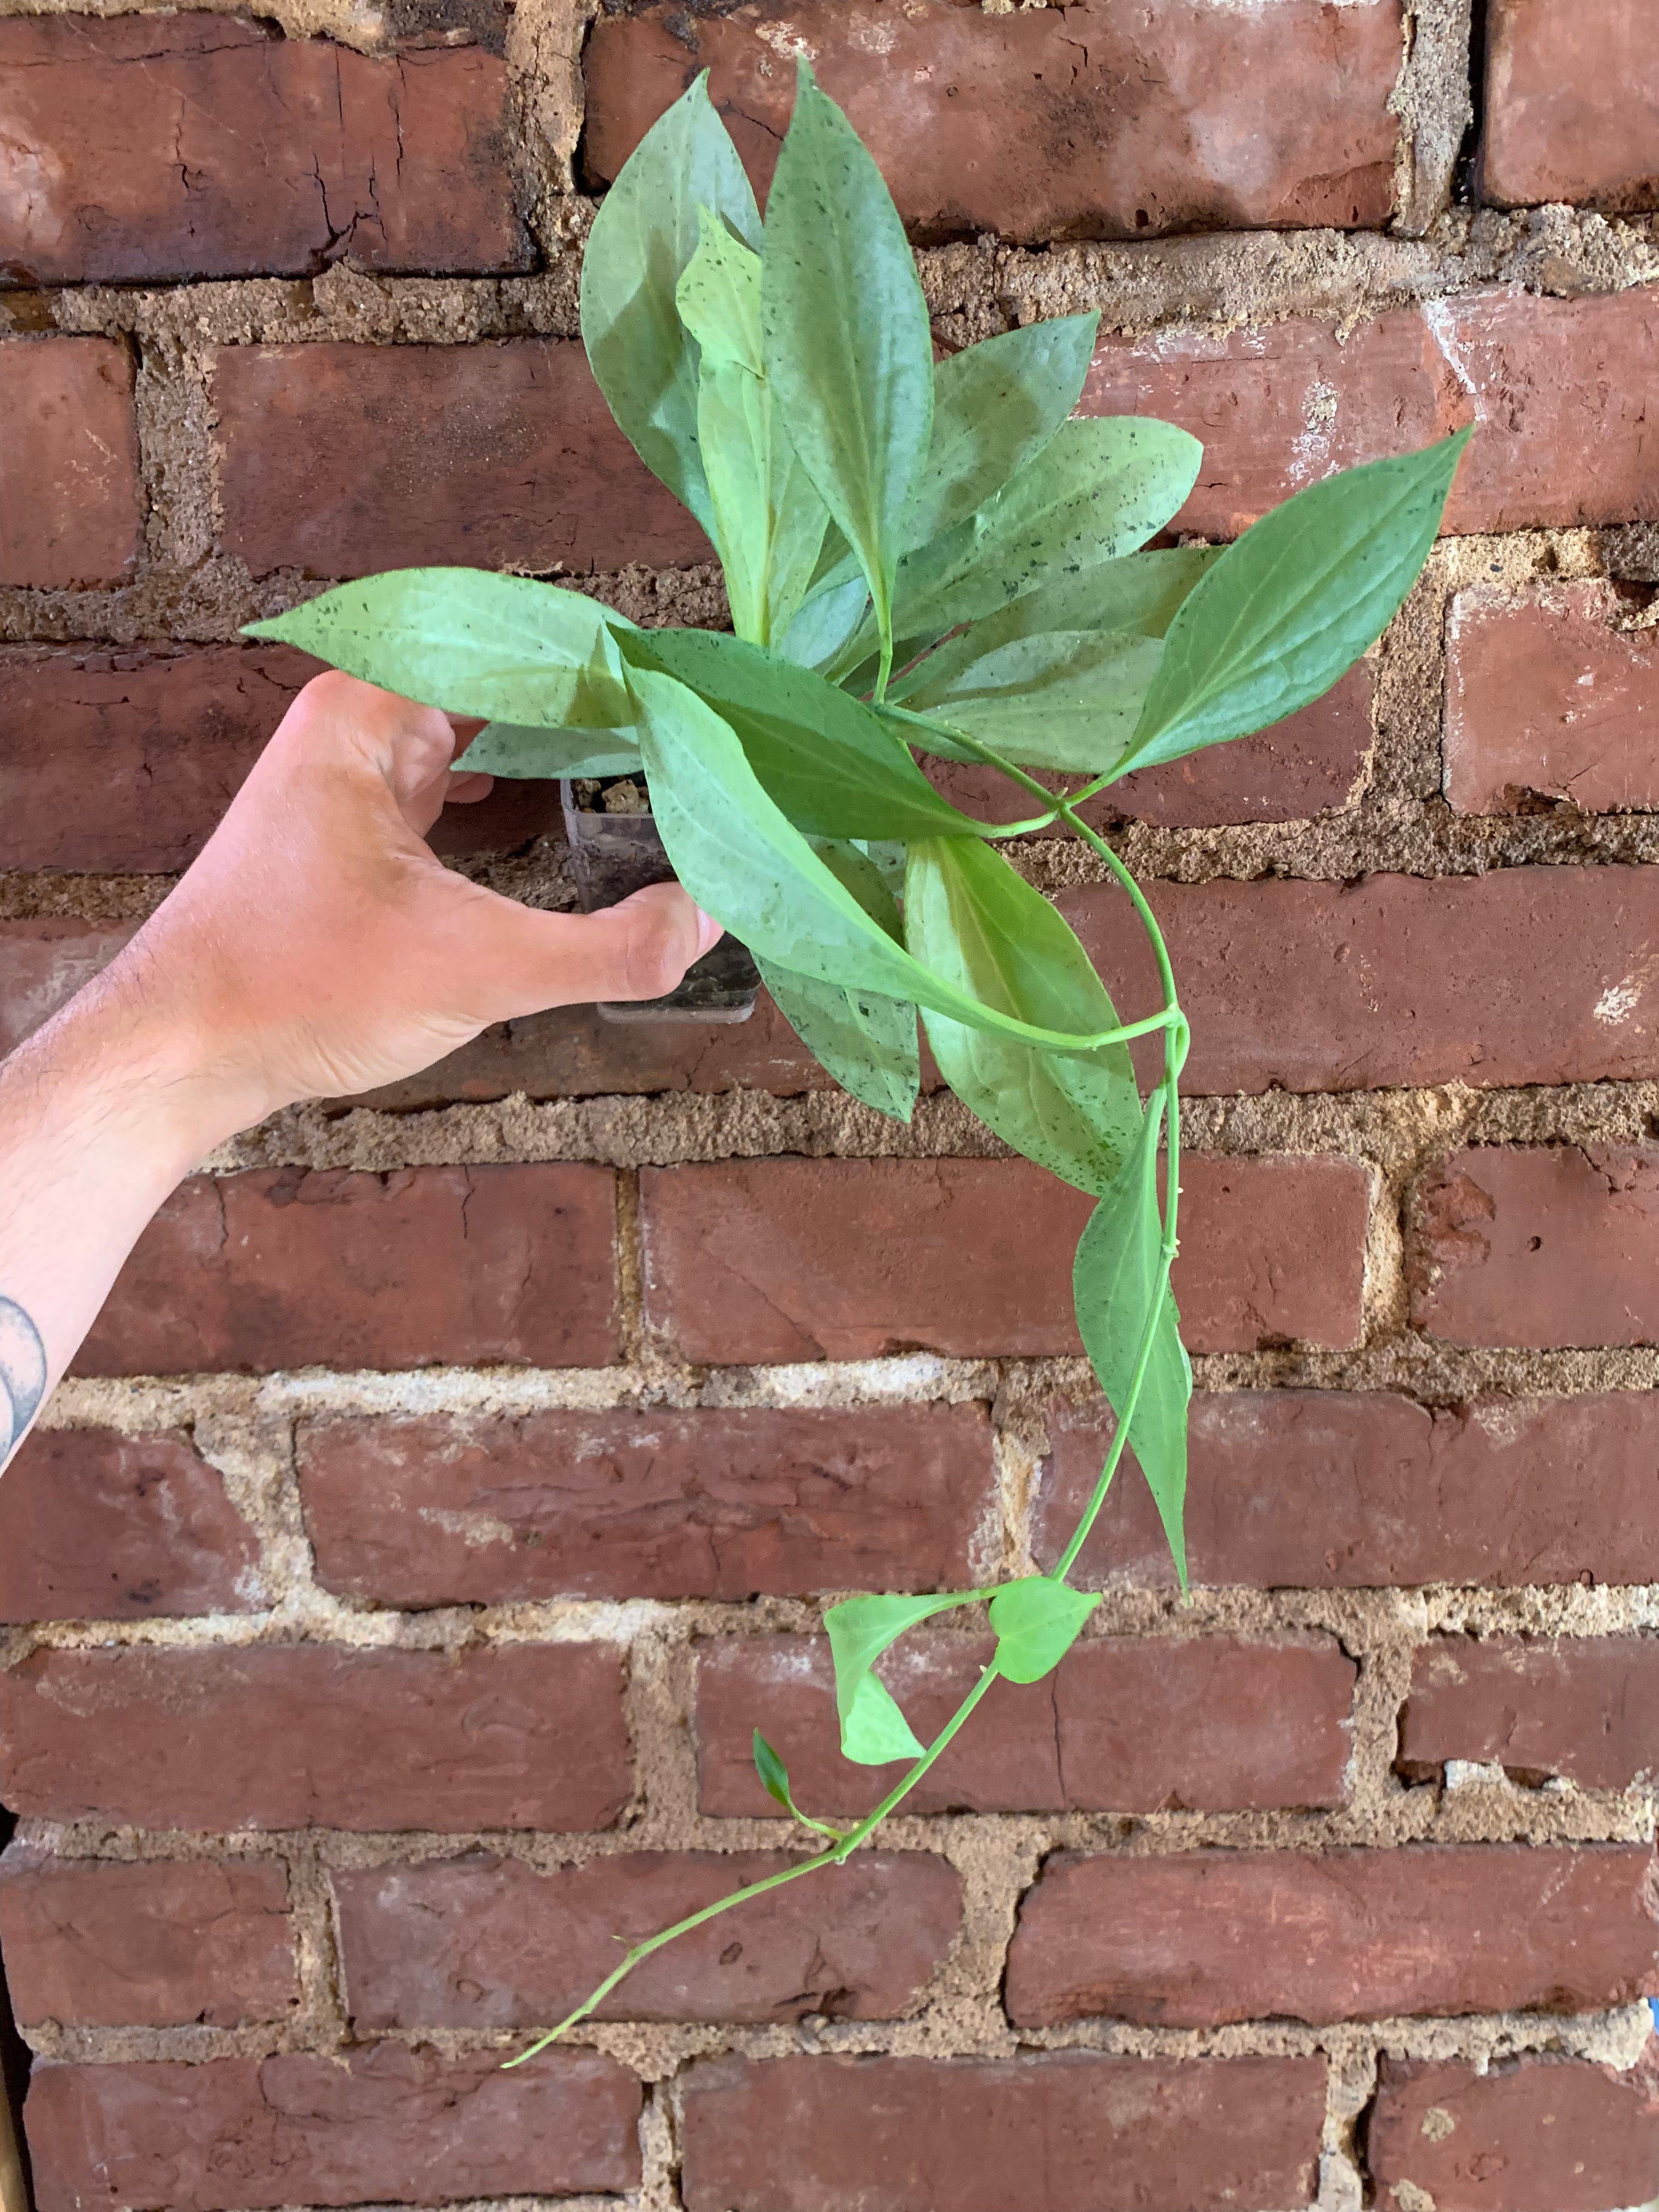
[709, 932]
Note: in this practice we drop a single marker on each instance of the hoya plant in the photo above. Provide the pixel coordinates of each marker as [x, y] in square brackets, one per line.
[925, 559]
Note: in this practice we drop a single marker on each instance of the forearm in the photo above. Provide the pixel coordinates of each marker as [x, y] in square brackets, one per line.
[101, 1114]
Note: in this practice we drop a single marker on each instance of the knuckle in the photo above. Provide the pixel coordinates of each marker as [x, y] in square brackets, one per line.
[655, 956]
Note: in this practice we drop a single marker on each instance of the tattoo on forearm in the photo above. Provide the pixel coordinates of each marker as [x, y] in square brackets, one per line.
[22, 1375]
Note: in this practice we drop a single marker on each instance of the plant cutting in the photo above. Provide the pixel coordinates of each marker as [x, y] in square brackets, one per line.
[924, 560]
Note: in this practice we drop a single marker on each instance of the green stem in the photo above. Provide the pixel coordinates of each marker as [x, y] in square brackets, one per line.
[1173, 1023]
[835, 1856]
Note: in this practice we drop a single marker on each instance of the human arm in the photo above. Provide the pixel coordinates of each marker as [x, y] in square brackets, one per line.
[315, 948]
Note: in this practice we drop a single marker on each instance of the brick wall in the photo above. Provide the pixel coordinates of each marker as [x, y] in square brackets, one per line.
[389, 1606]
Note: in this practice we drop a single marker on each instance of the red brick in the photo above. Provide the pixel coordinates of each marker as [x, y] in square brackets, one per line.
[70, 508]
[1300, 767]
[289, 1268]
[95, 1526]
[1067, 2131]
[487, 455]
[123, 763]
[1216, 1723]
[485, 1943]
[100, 1944]
[1531, 2135]
[200, 146]
[43, 962]
[385, 2125]
[452, 1509]
[1581, 1707]
[1572, 87]
[1392, 980]
[531, 1735]
[1547, 696]
[1538, 1245]
[1116, 122]
[1340, 1489]
[785, 1259]
[1206, 1938]
[1556, 387]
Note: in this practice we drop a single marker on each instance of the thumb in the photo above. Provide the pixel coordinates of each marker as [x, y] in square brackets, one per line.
[639, 948]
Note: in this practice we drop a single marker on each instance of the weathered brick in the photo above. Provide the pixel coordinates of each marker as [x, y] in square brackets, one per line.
[101, 1944]
[1341, 1489]
[1556, 386]
[1529, 2135]
[300, 1735]
[1581, 1707]
[488, 1943]
[1540, 1245]
[288, 1268]
[1548, 697]
[442, 1510]
[96, 1526]
[784, 1260]
[385, 2125]
[45, 962]
[200, 146]
[489, 455]
[1312, 761]
[1209, 1936]
[70, 508]
[1513, 977]
[123, 763]
[1067, 2132]
[1572, 87]
[1217, 1723]
[1118, 122]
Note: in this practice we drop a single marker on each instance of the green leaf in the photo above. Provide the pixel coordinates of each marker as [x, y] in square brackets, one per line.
[835, 768]
[828, 619]
[769, 521]
[1097, 490]
[848, 346]
[773, 1774]
[865, 1041]
[873, 1728]
[1142, 594]
[744, 864]
[1065, 699]
[506, 749]
[644, 235]
[971, 918]
[1118, 1270]
[1295, 602]
[1037, 1621]
[502, 646]
[996, 404]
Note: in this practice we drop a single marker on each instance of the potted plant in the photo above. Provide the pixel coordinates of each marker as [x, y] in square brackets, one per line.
[921, 558]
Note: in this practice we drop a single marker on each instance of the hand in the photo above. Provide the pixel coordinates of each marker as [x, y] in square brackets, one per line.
[317, 948]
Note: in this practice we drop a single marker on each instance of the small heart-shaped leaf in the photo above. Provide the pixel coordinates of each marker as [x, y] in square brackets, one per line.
[1037, 1621]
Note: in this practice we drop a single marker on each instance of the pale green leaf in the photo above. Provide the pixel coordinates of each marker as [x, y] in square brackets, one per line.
[1037, 1621]
[1064, 699]
[827, 620]
[1118, 1271]
[1294, 603]
[848, 344]
[504, 648]
[971, 919]
[861, 1630]
[1097, 490]
[835, 768]
[744, 863]
[505, 749]
[996, 404]
[643, 236]
[866, 1042]
[718, 297]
